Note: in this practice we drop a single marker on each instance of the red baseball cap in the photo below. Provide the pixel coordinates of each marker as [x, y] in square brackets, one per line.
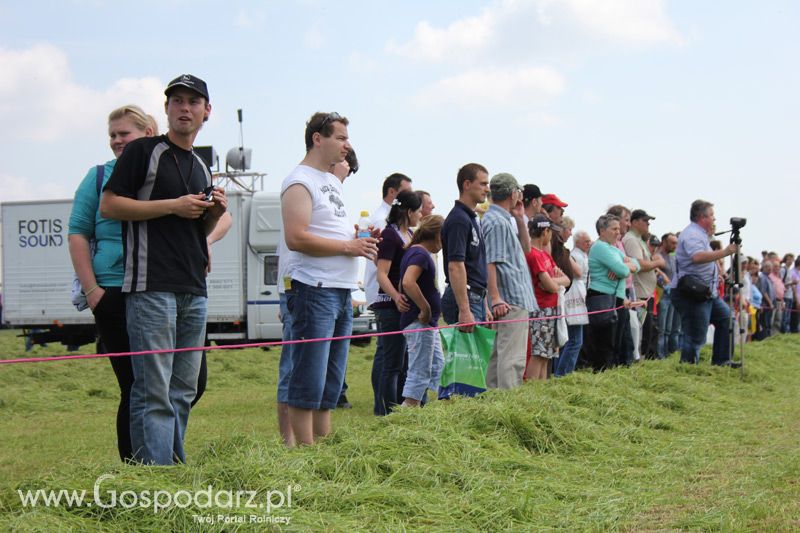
[554, 200]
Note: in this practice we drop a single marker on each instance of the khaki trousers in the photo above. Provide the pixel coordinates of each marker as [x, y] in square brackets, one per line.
[507, 364]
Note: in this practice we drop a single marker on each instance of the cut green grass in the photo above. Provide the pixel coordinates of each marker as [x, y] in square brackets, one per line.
[659, 446]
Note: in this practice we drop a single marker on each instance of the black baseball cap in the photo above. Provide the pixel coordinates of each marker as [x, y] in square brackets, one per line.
[190, 82]
[641, 213]
[530, 192]
[542, 221]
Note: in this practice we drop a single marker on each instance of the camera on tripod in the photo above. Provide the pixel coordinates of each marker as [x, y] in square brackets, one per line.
[737, 223]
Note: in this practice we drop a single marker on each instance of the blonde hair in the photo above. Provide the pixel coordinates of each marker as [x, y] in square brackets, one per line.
[153, 123]
[140, 119]
[429, 228]
[567, 222]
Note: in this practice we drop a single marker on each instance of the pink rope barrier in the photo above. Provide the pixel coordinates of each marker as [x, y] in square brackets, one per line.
[297, 341]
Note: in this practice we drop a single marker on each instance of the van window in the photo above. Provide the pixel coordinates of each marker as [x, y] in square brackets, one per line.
[270, 270]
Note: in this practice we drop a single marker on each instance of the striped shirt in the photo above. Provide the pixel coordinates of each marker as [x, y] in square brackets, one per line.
[504, 250]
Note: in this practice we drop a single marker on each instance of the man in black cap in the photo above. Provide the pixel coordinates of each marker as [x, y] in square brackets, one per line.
[531, 201]
[645, 279]
[162, 192]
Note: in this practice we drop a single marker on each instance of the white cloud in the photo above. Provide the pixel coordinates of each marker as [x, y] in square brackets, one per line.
[493, 88]
[16, 188]
[631, 21]
[42, 101]
[525, 27]
[461, 37]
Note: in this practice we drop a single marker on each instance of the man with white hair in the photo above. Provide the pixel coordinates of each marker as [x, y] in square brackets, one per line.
[580, 252]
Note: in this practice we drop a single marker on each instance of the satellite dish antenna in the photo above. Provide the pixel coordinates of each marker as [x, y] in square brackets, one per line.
[241, 157]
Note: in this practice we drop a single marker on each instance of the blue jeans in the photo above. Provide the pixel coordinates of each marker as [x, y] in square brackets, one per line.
[695, 318]
[318, 367]
[425, 361]
[377, 369]
[669, 324]
[787, 315]
[569, 352]
[285, 365]
[450, 306]
[164, 384]
[390, 358]
[766, 321]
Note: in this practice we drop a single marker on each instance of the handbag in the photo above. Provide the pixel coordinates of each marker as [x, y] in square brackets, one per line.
[77, 297]
[575, 304]
[562, 334]
[466, 359]
[602, 302]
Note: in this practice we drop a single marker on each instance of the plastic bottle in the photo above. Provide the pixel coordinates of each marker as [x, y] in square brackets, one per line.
[363, 225]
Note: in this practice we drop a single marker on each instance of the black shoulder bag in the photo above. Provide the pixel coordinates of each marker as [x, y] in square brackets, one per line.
[597, 303]
[692, 288]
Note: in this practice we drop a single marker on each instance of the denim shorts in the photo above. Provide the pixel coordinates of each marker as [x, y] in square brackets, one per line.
[318, 368]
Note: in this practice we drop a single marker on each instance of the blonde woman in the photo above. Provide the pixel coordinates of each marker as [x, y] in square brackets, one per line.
[417, 275]
[100, 270]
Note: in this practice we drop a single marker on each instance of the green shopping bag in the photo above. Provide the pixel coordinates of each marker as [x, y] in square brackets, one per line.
[466, 358]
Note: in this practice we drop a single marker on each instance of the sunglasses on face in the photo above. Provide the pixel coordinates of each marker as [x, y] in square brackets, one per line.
[330, 117]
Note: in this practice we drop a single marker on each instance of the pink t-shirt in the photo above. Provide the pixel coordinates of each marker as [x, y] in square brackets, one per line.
[777, 284]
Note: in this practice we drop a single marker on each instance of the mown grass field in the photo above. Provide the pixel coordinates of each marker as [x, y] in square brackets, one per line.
[659, 446]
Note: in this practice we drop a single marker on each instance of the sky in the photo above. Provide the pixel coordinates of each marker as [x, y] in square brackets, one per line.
[648, 103]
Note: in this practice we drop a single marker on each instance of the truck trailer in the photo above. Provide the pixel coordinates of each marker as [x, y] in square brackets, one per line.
[243, 301]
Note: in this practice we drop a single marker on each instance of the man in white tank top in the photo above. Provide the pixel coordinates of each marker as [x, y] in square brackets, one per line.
[325, 271]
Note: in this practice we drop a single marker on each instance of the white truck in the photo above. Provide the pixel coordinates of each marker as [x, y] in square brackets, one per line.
[243, 301]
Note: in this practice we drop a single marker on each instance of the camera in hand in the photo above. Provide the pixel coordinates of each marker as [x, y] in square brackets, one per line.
[208, 192]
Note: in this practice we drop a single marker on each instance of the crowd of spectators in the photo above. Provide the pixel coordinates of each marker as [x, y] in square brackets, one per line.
[506, 264]
[506, 257]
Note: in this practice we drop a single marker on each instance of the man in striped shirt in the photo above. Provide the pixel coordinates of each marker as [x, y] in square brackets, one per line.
[510, 287]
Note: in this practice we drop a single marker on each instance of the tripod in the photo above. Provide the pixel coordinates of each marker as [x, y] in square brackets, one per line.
[733, 284]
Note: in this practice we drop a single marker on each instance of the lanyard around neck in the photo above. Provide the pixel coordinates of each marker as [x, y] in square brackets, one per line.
[185, 180]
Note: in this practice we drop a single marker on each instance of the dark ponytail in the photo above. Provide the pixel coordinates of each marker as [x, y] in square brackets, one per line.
[404, 202]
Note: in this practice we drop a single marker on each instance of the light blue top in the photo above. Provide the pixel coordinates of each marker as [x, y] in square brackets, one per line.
[755, 296]
[604, 257]
[85, 220]
[504, 250]
[692, 240]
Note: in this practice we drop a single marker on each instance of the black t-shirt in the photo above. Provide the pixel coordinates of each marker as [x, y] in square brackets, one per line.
[168, 253]
[392, 248]
[462, 240]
